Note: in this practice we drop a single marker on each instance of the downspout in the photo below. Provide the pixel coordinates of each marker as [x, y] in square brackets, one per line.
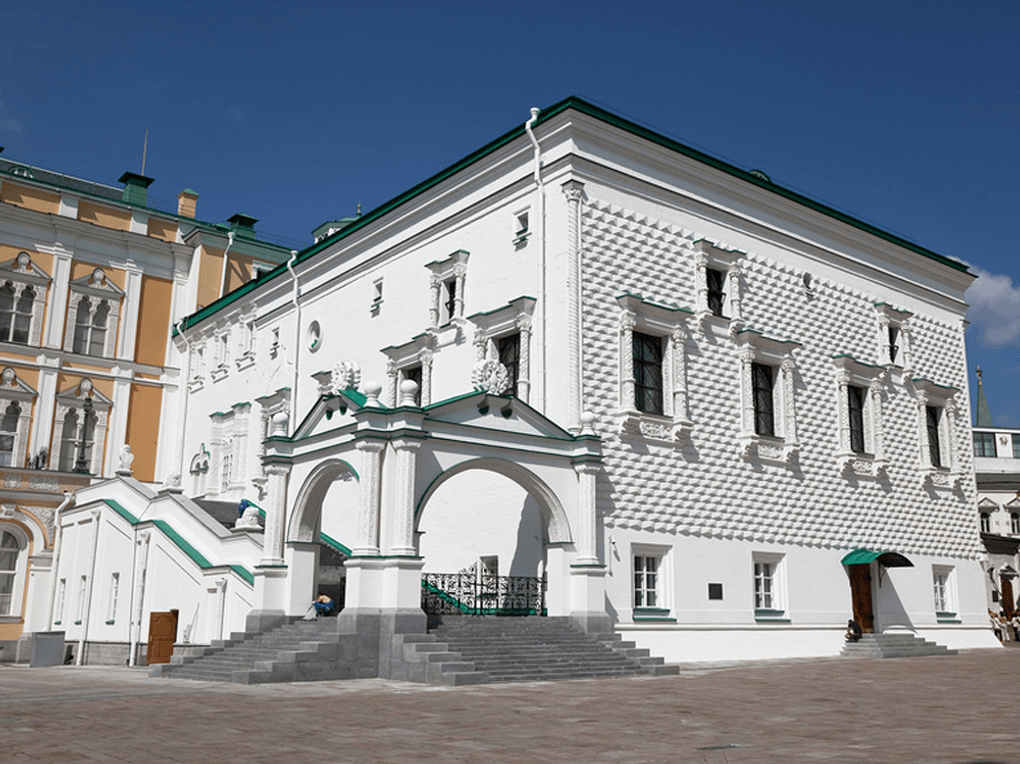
[223, 270]
[137, 608]
[186, 392]
[87, 607]
[69, 499]
[297, 337]
[540, 219]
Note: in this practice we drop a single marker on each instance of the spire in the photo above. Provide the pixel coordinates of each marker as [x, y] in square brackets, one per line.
[984, 415]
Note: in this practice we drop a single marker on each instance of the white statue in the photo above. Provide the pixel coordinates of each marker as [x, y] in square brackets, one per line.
[126, 458]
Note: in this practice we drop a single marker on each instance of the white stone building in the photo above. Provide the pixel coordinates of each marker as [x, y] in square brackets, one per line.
[704, 408]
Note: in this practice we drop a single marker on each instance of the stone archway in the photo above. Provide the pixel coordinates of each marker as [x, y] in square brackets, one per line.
[308, 547]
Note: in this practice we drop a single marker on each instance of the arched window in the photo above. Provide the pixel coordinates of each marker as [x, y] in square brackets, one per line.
[69, 440]
[986, 522]
[9, 549]
[1014, 522]
[9, 433]
[16, 313]
[90, 326]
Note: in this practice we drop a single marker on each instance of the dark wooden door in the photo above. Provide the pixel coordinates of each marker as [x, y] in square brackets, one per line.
[1007, 596]
[162, 635]
[860, 597]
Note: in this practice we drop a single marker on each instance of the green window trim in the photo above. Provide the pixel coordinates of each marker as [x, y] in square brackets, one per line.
[110, 623]
[771, 616]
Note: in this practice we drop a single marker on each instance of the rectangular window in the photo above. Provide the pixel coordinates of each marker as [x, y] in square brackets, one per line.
[81, 599]
[509, 349]
[114, 596]
[762, 384]
[646, 581]
[855, 398]
[984, 444]
[449, 300]
[61, 597]
[894, 344]
[716, 294]
[933, 414]
[226, 472]
[764, 586]
[1016, 446]
[769, 586]
[986, 522]
[647, 373]
[942, 590]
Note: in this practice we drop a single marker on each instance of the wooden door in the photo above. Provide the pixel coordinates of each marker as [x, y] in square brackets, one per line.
[860, 597]
[1007, 596]
[162, 635]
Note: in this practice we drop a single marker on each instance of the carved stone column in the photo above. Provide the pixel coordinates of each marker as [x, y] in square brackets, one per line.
[276, 513]
[627, 382]
[574, 191]
[435, 287]
[681, 404]
[524, 369]
[367, 543]
[746, 393]
[587, 553]
[402, 542]
[789, 403]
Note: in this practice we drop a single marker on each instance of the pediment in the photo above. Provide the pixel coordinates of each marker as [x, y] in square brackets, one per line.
[12, 386]
[495, 412]
[97, 282]
[21, 268]
[81, 390]
[986, 503]
[330, 412]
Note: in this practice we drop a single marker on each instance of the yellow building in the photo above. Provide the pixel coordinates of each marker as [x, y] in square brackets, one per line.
[92, 279]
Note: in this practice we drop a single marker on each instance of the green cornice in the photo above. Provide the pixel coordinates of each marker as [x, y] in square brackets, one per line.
[583, 107]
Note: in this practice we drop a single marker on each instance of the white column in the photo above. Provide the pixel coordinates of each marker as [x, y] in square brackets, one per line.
[587, 525]
[574, 191]
[370, 483]
[129, 315]
[403, 497]
[627, 324]
[56, 309]
[276, 514]
[117, 424]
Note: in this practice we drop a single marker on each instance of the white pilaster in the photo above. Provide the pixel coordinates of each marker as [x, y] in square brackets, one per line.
[129, 315]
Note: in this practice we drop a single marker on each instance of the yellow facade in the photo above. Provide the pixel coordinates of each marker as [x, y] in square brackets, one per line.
[153, 320]
[30, 198]
[209, 273]
[162, 229]
[238, 270]
[143, 429]
[106, 217]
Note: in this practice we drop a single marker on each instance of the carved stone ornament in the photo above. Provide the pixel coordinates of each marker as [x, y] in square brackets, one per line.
[490, 376]
[346, 376]
[126, 458]
[173, 480]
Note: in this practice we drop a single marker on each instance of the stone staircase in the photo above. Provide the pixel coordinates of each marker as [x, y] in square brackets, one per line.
[475, 650]
[893, 645]
[297, 651]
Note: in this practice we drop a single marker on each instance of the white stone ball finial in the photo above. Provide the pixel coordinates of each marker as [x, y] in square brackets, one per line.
[372, 390]
[408, 393]
[280, 422]
[587, 420]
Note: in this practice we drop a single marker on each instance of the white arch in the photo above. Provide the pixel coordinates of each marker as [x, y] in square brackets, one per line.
[303, 523]
[558, 528]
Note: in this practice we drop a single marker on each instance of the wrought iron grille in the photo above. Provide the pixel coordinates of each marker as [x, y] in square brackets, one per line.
[473, 594]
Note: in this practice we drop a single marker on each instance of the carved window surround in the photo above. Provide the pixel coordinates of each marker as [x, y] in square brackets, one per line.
[14, 389]
[219, 343]
[754, 347]
[22, 273]
[709, 255]
[199, 470]
[637, 314]
[95, 287]
[515, 317]
[228, 443]
[452, 269]
[418, 352]
[889, 318]
[851, 372]
[942, 397]
[73, 398]
[269, 406]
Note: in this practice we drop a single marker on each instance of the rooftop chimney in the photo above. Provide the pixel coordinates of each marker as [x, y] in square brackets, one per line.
[136, 188]
[186, 202]
[243, 225]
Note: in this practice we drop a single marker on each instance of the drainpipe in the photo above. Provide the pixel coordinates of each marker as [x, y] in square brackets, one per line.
[185, 391]
[223, 271]
[85, 618]
[540, 219]
[136, 613]
[69, 499]
[297, 337]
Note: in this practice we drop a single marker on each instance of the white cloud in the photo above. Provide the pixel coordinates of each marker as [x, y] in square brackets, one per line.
[994, 312]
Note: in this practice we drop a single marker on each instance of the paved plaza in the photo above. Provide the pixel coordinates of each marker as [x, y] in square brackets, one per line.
[933, 709]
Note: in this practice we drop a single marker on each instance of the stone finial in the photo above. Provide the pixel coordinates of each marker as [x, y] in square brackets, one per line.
[408, 393]
[587, 419]
[279, 423]
[372, 391]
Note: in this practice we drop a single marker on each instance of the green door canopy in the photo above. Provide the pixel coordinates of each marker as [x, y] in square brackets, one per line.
[886, 559]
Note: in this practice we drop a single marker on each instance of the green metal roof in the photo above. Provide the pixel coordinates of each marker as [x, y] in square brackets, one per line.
[582, 106]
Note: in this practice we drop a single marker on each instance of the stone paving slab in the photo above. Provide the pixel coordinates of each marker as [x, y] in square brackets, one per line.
[953, 709]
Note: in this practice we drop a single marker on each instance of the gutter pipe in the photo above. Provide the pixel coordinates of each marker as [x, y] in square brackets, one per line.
[223, 270]
[540, 219]
[295, 294]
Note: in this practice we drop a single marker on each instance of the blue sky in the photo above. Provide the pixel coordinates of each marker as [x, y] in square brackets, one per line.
[905, 114]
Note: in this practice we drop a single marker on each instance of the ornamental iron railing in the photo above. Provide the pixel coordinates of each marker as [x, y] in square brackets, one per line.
[471, 594]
